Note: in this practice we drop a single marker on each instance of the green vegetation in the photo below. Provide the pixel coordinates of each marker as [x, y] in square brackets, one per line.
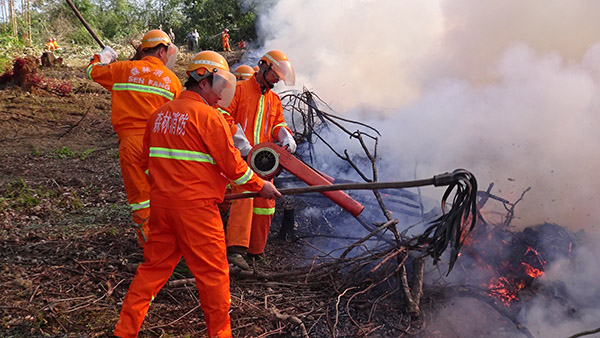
[210, 17]
[20, 196]
[8, 45]
[65, 152]
[117, 21]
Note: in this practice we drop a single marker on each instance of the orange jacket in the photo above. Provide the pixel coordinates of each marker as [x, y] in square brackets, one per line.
[261, 116]
[138, 88]
[225, 37]
[191, 156]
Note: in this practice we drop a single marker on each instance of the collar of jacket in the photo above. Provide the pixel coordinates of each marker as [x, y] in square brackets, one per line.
[188, 94]
[152, 59]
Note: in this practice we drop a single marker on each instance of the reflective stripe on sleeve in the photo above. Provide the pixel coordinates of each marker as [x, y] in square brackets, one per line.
[264, 211]
[283, 124]
[141, 205]
[143, 89]
[223, 111]
[178, 154]
[89, 71]
[245, 178]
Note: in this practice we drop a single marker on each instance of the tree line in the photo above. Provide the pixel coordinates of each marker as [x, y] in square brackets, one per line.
[33, 22]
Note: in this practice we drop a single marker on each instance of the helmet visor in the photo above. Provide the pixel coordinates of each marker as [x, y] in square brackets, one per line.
[285, 71]
[224, 86]
[171, 56]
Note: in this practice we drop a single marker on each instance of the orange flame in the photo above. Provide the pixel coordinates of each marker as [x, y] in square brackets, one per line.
[531, 271]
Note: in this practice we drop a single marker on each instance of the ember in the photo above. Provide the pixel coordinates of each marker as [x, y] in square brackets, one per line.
[531, 271]
[506, 261]
[504, 290]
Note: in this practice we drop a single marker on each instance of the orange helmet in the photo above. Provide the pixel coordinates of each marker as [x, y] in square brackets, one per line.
[280, 63]
[208, 63]
[154, 38]
[226, 30]
[255, 68]
[243, 72]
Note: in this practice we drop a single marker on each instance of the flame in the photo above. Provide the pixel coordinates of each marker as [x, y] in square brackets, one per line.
[531, 271]
[506, 288]
[519, 265]
[501, 288]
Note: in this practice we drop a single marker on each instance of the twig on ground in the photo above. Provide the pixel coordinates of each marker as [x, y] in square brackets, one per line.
[292, 319]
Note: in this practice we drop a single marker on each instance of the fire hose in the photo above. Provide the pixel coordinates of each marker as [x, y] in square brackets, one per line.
[437, 181]
[85, 24]
[268, 159]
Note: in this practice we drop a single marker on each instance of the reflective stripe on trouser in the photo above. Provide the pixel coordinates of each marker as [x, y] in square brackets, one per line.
[249, 222]
[137, 186]
[197, 234]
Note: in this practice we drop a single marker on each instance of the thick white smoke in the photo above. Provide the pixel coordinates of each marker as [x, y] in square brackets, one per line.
[509, 90]
[575, 308]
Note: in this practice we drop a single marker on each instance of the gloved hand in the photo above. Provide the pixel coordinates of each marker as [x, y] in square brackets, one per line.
[107, 55]
[241, 142]
[287, 140]
[269, 191]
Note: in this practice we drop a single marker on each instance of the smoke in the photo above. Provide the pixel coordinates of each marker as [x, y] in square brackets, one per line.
[576, 307]
[509, 90]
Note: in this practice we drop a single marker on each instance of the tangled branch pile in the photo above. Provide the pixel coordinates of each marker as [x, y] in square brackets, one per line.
[24, 74]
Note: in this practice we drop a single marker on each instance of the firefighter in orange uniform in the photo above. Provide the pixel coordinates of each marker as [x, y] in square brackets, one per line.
[256, 115]
[55, 44]
[138, 88]
[52, 45]
[225, 40]
[243, 72]
[191, 157]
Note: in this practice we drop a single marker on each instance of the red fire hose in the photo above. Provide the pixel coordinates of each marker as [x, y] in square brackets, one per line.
[450, 229]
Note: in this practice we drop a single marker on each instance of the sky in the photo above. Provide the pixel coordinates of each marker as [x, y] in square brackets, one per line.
[509, 90]
[506, 90]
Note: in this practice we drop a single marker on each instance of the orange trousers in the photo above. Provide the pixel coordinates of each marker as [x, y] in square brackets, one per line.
[197, 234]
[137, 186]
[249, 222]
[226, 47]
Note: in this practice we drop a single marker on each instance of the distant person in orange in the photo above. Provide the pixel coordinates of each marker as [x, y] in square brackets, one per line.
[255, 116]
[52, 45]
[138, 88]
[243, 72]
[242, 44]
[190, 159]
[225, 40]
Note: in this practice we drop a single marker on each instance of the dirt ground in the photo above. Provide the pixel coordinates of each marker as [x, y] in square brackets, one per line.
[68, 250]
